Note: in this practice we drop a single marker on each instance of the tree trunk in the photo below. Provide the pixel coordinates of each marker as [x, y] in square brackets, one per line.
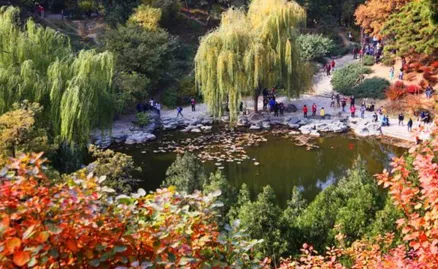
[256, 98]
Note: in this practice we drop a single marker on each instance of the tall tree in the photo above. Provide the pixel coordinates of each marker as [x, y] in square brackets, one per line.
[374, 13]
[250, 51]
[39, 65]
[412, 29]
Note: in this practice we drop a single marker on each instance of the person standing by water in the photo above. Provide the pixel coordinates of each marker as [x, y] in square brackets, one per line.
[193, 103]
[305, 111]
[314, 110]
[410, 123]
[322, 113]
[281, 106]
[158, 108]
[332, 65]
[179, 110]
[276, 108]
[338, 100]
[401, 118]
[332, 103]
[391, 73]
[344, 103]
[353, 111]
[362, 111]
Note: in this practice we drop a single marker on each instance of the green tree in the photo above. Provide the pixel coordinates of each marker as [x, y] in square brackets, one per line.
[142, 52]
[314, 46]
[348, 207]
[250, 51]
[218, 182]
[38, 64]
[243, 198]
[412, 29]
[187, 174]
[261, 219]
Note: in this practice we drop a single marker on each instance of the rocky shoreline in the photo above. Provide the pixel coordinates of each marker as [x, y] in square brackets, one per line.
[125, 131]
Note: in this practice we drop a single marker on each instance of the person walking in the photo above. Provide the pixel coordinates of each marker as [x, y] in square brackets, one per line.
[158, 108]
[271, 105]
[193, 103]
[401, 118]
[332, 65]
[281, 107]
[352, 100]
[179, 110]
[350, 36]
[305, 111]
[410, 123]
[344, 104]
[314, 107]
[322, 113]
[265, 103]
[151, 103]
[375, 117]
[328, 69]
[391, 73]
[332, 103]
[400, 74]
[338, 100]
[353, 111]
[362, 111]
[276, 109]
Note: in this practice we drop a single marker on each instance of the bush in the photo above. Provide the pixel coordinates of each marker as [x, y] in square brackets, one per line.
[388, 60]
[345, 78]
[371, 88]
[342, 51]
[142, 119]
[314, 46]
[171, 98]
[368, 60]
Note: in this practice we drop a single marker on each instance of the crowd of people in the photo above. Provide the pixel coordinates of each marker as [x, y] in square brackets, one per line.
[270, 103]
[149, 106]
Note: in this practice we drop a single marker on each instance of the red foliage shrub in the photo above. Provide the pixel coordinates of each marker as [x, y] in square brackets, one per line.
[423, 84]
[429, 77]
[425, 69]
[412, 89]
[399, 84]
[394, 93]
[434, 64]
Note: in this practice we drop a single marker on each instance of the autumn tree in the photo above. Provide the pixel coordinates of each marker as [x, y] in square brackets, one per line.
[372, 15]
[79, 224]
[19, 131]
[249, 51]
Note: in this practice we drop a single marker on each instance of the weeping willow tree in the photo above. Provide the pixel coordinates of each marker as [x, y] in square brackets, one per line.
[249, 51]
[39, 65]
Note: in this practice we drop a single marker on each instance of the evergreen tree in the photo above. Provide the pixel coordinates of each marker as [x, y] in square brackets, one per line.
[187, 174]
[412, 30]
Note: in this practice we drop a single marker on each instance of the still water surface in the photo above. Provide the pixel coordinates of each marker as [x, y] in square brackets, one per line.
[283, 165]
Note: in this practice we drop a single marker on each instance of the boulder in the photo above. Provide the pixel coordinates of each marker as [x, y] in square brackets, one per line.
[314, 133]
[266, 125]
[225, 118]
[139, 137]
[242, 121]
[195, 130]
[255, 118]
[255, 127]
[206, 129]
[291, 108]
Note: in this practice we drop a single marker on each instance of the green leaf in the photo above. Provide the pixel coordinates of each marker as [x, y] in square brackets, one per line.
[94, 262]
[120, 248]
[54, 253]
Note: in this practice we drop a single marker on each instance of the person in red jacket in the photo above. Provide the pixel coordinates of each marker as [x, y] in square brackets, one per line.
[353, 111]
[333, 65]
[314, 110]
[305, 111]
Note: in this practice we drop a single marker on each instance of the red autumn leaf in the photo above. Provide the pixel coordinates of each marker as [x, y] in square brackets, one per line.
[71, 245]
[21, 258]
[12, 243]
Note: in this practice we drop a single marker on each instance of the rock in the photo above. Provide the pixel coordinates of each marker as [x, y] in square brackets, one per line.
[195, 130]
[366, 128]
[256, 163]
[314, 133]
[293, 133]
[206, 129]
[242, 121]
[255, 127]
[139, 137]
[255, 118]
[225, 118]
[291, 108]
[266, 125]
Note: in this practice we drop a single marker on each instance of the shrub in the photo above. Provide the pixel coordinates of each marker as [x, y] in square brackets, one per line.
[413, 89]
[388, 60]
[314, 46]
[341, 51]
[396, 91]
[142, 119]
[371, 88]
[345, 78]
[368, 60]
[170, 97]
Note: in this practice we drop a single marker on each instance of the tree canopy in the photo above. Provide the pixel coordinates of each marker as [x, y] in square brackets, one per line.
[412, 29]
[249, 51]
[38, 64]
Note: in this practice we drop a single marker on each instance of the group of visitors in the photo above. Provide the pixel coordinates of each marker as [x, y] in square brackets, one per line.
[149, 106]
[314, 109]
[179, 109]
[270, 103]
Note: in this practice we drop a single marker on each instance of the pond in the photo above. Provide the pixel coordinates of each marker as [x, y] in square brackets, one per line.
[282, 164]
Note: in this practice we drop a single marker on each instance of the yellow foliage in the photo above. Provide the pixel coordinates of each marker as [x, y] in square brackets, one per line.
[147, 17]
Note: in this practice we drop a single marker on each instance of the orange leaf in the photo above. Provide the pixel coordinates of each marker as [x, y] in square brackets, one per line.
[71, 245]
[12, 243]
[43, 236]
[21, 258]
